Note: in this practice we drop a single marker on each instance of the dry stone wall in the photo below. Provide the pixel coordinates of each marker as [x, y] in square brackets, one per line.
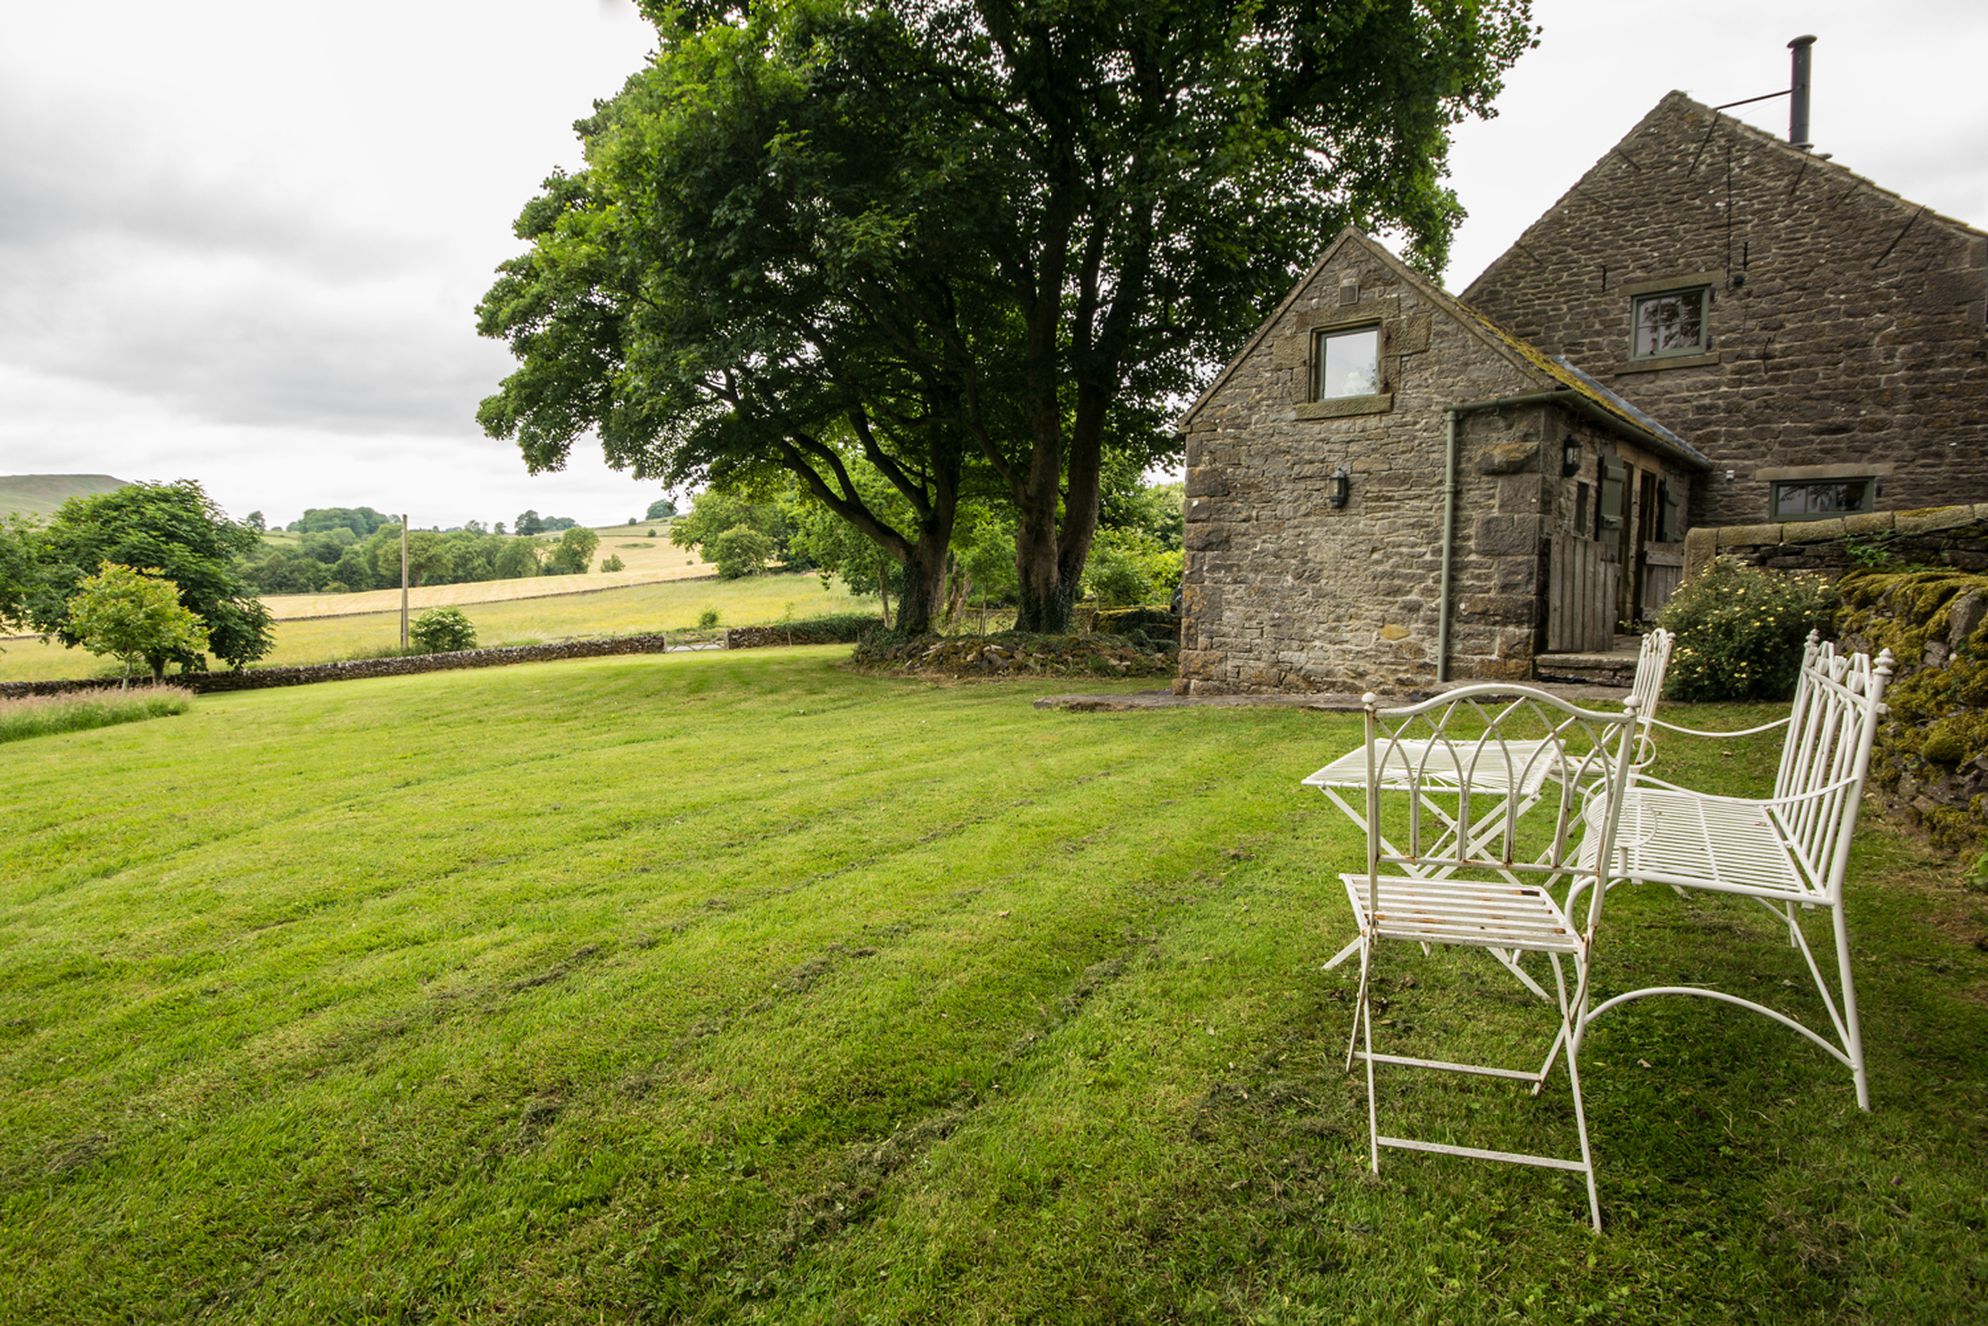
[259, 678]
[1954, 536]
[1849, 326]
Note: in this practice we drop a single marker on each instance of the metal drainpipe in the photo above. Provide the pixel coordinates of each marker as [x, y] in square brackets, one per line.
[1450, 416]
[1449, 545]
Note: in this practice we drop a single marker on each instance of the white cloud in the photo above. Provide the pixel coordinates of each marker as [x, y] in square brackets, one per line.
[243, 242]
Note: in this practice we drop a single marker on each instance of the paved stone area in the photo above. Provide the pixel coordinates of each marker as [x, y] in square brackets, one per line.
[1336, 702]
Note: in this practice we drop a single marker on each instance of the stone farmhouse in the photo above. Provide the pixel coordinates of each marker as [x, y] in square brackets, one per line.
[1390, 486]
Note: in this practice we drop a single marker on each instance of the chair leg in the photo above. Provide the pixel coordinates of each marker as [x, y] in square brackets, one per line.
[1581, 1122]
[1560, 1037]
[1373, 1117]
[1359, 1002]
[1574, 1023]
[1854, 1034]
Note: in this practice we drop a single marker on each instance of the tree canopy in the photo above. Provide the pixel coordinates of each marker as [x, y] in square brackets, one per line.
[973, 246]
[175, 531]
[134, 616]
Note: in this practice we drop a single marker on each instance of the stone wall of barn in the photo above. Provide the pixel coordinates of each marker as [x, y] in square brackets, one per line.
[1283, 591]
[1849, 326]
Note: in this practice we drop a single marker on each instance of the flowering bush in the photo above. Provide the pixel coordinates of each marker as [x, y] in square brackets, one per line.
[1740, 631]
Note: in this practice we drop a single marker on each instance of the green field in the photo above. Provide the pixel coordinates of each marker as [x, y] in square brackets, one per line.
[666, 606]
[38, 495]
[739, 987]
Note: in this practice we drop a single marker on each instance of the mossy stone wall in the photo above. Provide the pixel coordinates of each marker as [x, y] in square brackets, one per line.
[1931, 762]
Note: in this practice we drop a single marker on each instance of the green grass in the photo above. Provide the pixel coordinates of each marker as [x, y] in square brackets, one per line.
[46, 715]
[739, 987]
[664, 606]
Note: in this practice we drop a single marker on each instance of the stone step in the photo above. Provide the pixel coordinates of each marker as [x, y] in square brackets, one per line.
[1614, 668]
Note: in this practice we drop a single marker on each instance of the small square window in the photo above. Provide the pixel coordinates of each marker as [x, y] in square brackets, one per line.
[1347, 363]
[1819, 499]
[1671, 323]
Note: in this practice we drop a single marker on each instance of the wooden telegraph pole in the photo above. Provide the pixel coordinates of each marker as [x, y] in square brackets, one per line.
[403, 582]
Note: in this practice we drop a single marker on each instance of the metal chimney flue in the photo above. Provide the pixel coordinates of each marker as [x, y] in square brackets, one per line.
[1798, 93]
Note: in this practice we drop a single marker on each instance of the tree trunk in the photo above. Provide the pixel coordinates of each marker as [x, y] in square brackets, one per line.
[922, 594]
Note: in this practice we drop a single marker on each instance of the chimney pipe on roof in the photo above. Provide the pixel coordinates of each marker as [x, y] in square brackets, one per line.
[1798, 94]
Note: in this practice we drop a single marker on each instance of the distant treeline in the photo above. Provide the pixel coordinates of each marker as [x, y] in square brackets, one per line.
[363, 520]
[356, 548]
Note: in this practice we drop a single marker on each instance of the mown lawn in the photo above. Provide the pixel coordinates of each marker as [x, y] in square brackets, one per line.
[738, 987]
[667, 606]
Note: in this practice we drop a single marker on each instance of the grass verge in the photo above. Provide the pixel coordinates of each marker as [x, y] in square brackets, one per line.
[742, 987]
[44, 715]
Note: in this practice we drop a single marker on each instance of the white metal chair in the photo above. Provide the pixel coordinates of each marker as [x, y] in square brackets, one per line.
[1410, 761]
[1488, 889]
[1788, 851]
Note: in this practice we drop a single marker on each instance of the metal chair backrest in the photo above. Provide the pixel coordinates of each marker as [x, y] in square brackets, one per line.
[1832, 725]
[1523, 766]
[1652, 661]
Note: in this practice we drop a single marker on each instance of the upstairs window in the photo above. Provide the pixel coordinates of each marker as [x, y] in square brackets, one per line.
[1346, 363]
[1670, 323]
[1819, 499]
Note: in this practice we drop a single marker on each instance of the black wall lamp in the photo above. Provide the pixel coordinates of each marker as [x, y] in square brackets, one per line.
[1341, 487]
[1570, 456]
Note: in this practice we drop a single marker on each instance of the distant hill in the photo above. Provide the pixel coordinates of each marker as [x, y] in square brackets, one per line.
[38, 495]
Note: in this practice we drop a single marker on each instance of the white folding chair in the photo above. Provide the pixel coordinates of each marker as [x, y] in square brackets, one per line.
[1347, 775]
[1788, 852]
[1488, 890]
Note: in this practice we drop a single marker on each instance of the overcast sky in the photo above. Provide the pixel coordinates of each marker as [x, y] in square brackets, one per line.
[242, 242]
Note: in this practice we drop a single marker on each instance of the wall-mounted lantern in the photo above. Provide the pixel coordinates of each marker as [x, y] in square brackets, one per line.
[1341, 487]
[1570, 456]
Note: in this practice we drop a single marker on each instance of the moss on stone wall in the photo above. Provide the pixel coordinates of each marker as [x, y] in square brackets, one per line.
[1931, 762]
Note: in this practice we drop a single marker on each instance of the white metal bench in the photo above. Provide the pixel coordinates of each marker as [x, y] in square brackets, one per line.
[1787, 851]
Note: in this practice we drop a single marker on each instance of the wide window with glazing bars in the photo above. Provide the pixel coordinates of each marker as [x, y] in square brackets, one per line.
[1819, 499]
[1346, 362]
[1671, 322]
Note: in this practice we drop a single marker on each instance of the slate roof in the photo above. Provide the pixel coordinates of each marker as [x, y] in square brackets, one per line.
[1584, 394]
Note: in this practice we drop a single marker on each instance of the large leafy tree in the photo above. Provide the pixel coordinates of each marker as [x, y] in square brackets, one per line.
[961, 235]
[174, 531]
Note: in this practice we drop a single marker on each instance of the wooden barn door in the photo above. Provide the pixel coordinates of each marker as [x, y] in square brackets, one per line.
[1583, 581]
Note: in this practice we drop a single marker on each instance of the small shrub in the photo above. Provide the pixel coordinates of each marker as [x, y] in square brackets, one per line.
[441, 631]
[652, 534]
[613, 563]
[41, 715]
[740, 551]
[707, 619]
[1740, 631]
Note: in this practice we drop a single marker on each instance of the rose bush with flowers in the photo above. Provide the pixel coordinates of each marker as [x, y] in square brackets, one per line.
[1740, 631]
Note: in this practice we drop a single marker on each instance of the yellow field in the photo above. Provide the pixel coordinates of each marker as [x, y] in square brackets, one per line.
[659, 606]
[646, 561]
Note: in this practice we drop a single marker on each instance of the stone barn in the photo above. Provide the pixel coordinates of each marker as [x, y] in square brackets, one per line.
[1385, 488]
[1390, 486]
